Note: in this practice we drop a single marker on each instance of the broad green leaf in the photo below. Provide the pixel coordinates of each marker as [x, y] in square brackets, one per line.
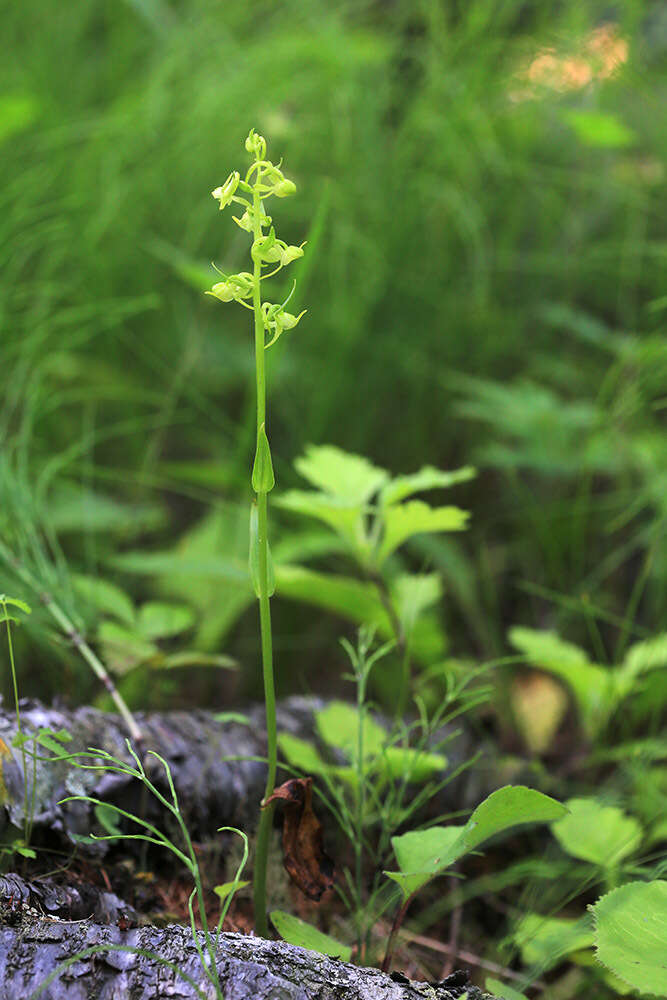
[304, 935]
[502, 990]
[590, 685]
[338, 726]
[545, 941]
[358, 602]
[178, 565]
[227, 888]
[122, 648]
[428, 478]
[343, 517]
[348, 477]
[603, 835]
[263, 479]
[105, 597]
[416, 517]
[413, 593]
[425, 853]
[302, 754]
[350, 598]
[72, 509]
[603, 130]
[513, 805]
[160, 621]
[415, 766]
[631, 935]
[253, 557]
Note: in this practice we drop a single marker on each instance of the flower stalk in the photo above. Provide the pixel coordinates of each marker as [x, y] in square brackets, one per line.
[270, 320]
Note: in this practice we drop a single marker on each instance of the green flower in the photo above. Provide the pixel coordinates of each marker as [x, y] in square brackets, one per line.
[225, 192]
[276, 320]
[234, 287]
[290, 253]
[276, 183]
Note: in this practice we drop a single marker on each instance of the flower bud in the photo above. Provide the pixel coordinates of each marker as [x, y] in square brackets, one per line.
[236, 286]
[289, 320]
[222, 291]
[284, 188]
[256, 144]
[225, 192]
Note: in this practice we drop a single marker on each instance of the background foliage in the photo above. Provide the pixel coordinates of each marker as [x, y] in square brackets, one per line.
[481, 185]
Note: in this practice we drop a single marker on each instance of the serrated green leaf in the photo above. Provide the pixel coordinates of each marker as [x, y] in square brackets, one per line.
[160, 621]
[640, 658]
[428, 478]
[414, 518]
[344, 517]
[304, 935]
[631, 935]
[338, 473]
[263, 479]
[594, 832]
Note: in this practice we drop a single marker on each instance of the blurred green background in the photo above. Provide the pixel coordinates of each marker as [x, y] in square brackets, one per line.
[482, 185]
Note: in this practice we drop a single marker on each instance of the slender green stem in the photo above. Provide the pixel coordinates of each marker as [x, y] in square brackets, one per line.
[361, 804]
[263, 833]
[27, 818]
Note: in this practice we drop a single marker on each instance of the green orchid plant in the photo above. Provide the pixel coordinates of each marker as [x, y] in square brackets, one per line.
[269, 255]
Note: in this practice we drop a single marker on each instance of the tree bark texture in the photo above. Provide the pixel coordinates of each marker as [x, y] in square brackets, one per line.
[33, 945]
[217, 781]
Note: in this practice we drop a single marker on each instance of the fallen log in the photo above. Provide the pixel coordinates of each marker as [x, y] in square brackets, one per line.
[32, 946]
[216, 765]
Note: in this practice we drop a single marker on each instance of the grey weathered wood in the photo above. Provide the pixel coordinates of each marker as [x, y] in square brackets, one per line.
[249, 968]
[214, 787]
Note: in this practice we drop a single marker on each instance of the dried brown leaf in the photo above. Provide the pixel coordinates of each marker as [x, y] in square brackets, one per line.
[303, 853]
